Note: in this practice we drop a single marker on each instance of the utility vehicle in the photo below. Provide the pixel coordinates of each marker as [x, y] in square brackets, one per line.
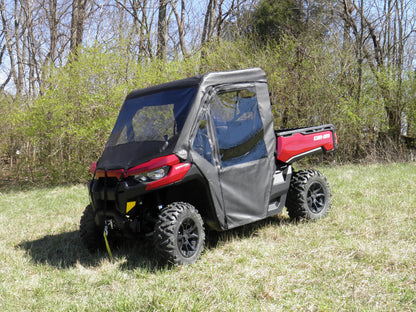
[201, 154]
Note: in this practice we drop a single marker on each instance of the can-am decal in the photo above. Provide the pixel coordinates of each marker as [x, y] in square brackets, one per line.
[321, 137]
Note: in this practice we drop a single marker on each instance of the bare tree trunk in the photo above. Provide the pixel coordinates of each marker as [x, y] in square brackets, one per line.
[181, 25]
[53, 30]
[139, 11]
[162, 30]
[399, 8]
[210, 17]
[220, 21]
[145, 43]
[141, 25]
[20, 51]
[345, 44]
[9, 47]
[31, 50]
[360, 53]
[387, 31]
[77, 24]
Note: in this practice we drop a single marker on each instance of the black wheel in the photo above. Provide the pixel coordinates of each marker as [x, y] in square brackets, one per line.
[179, 234]
[309, 196]
[91, 234]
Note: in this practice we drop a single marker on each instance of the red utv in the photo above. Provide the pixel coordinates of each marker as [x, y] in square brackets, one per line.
[196, 154]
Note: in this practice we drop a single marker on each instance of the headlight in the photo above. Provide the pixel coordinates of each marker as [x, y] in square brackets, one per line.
[141, 177]
[152, 175]
[158, 173]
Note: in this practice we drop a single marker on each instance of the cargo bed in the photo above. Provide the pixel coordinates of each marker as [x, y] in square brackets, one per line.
[294, 144]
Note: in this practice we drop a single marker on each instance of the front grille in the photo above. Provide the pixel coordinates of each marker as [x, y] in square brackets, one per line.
[109, 182]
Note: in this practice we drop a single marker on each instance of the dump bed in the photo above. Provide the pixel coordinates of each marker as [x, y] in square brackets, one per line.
[294, 144]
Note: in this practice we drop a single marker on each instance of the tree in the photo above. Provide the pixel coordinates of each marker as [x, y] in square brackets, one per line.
[162, 30]
[209, 22]
[52, 17]
[78, 18]
[388, 36]
[272, 19]
[180, 20]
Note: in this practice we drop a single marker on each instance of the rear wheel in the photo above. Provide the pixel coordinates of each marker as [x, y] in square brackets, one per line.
[309, 196]
[179, 234]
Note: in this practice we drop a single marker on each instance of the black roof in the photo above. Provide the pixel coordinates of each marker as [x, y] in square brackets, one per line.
[209, 79]
[177, 84]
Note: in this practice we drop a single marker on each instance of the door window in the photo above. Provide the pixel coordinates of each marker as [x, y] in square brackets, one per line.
[238, 126]
[201, 143]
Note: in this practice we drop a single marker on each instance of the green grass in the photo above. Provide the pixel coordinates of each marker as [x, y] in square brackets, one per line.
[362, 257]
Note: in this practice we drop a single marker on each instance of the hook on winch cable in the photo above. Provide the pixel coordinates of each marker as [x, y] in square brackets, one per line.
[108, 225]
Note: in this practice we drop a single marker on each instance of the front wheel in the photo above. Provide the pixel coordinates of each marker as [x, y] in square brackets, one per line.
[179, 234]
[91, 234]
[309, 196]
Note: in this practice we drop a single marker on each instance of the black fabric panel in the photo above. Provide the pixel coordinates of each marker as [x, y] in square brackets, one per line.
[245, 188]
[211, 175]
[178, 84]
[131, 154]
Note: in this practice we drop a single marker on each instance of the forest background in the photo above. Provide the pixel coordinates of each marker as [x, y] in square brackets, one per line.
[67, 65]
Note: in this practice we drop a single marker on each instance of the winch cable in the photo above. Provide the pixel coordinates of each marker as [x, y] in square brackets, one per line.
[105, 234]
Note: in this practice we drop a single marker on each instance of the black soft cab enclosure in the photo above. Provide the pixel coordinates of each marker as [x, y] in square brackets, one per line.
[187, 155]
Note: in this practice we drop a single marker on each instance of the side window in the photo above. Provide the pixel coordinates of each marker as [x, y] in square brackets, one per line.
[201, 142]
[238, 127]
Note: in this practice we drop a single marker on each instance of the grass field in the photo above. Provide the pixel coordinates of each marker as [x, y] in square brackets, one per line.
[362, 257]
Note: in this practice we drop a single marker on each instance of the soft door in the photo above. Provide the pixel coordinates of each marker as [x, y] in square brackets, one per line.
[245, 168]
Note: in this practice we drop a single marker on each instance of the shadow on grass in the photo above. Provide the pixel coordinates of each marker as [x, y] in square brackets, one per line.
[246, 231]
[65, 250]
